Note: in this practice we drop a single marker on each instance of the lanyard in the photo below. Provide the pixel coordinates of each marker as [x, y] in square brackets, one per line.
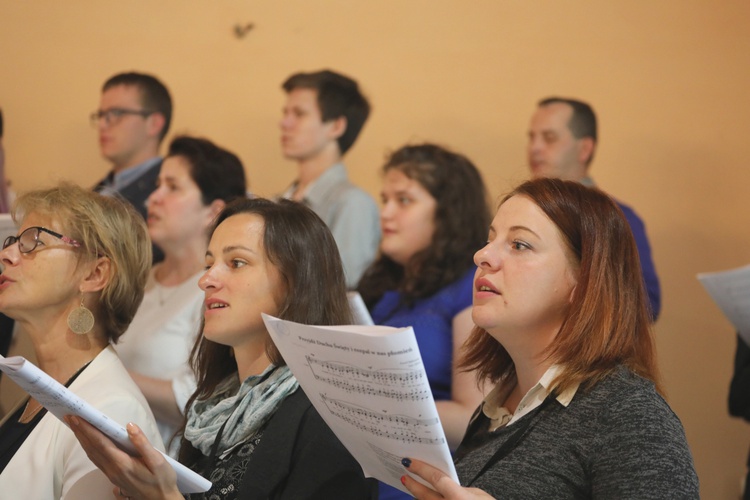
[523, 429]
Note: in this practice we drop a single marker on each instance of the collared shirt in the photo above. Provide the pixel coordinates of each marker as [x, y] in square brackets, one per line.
[316, 192]
[350, 213]
[588, 182]
[116, 182]
[500, 416]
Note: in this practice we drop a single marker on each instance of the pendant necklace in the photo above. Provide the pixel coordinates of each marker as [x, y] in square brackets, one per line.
[163, 293]
[164, 296]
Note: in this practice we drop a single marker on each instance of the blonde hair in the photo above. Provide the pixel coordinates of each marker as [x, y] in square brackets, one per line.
[105, 227]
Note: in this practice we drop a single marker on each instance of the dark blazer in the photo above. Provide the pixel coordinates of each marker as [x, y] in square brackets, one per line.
[739, 394]
[137, 192]
[299, 457]
[6, 336]
[6, 333]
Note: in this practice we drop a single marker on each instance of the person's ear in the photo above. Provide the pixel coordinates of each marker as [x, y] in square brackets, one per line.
[214, 208]
[155, 123]
[97, 276]
[573, 274]
[586, 147]
[572, 293]
[337, 127]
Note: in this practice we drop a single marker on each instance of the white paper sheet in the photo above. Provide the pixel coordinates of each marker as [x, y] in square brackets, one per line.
[359, 309]
[369, 385]
[731, 292]
[60, 401]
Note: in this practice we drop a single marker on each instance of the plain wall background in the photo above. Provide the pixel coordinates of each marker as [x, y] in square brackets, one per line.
[669, 81]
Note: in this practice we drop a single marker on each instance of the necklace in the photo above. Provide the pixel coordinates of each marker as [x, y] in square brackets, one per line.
[162, 295]
[26, 418]
[165, 293]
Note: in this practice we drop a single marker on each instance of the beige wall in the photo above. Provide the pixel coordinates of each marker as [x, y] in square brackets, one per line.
[669, 80]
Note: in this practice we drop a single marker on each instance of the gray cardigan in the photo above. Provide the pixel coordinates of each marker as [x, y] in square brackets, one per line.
[619, 439]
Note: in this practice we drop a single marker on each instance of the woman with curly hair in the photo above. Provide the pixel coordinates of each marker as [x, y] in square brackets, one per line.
[434, 217]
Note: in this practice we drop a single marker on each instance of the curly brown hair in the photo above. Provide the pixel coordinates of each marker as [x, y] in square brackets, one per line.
[462, 217]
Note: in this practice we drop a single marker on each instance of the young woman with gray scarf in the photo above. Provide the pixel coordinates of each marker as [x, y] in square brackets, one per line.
[250, 429]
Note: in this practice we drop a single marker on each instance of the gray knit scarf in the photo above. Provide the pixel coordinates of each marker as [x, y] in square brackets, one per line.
[245, 409]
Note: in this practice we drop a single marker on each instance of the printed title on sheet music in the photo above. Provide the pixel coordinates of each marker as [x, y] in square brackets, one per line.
[356, 349]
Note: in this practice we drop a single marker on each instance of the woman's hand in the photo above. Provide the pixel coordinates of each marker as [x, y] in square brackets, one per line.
[147, 476]
[443, 486]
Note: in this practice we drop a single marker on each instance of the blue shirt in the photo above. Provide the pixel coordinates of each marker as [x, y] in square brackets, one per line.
[352, 216]
[432, 320]
[648, 270]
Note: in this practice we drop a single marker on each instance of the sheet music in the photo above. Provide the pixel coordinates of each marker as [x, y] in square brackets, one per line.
[369, 385]
[60, 401]
[731, 292]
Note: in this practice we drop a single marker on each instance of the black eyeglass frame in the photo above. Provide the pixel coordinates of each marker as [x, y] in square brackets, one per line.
[39, 229]
[114, 115]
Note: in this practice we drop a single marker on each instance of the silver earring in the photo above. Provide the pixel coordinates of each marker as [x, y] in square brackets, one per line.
[81, 319]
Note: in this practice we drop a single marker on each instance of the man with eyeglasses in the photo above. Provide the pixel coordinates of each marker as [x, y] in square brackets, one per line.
[133, 117]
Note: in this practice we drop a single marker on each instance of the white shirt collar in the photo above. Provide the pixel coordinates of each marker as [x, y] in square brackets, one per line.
[500, 416]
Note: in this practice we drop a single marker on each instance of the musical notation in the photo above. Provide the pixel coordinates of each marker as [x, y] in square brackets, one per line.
[368, 383]
[399, 427]
[403, 385]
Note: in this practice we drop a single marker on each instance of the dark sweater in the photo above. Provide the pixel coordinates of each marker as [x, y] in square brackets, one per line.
[739, 394]
[618, 440]
[297, 457]
[739, 389]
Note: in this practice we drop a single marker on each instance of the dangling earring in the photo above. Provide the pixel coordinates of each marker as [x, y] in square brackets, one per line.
[80, 319]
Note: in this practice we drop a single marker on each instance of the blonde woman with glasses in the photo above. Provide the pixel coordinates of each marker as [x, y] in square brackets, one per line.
[72, 280]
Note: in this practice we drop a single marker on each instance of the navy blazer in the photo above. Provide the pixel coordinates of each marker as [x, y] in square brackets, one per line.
[137, 192]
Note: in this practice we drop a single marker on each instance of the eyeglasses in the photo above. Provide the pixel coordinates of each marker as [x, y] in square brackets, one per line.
[114, 115]
[28, 240]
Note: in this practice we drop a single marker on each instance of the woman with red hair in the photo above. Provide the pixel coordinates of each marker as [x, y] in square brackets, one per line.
[563, 331]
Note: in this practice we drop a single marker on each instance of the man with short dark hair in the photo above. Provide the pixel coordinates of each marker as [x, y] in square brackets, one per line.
[323, 115]
[134, 114]
[562, 142]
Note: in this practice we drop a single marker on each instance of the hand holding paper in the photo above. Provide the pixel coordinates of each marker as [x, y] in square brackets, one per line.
[369, 385]
[60, 401]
